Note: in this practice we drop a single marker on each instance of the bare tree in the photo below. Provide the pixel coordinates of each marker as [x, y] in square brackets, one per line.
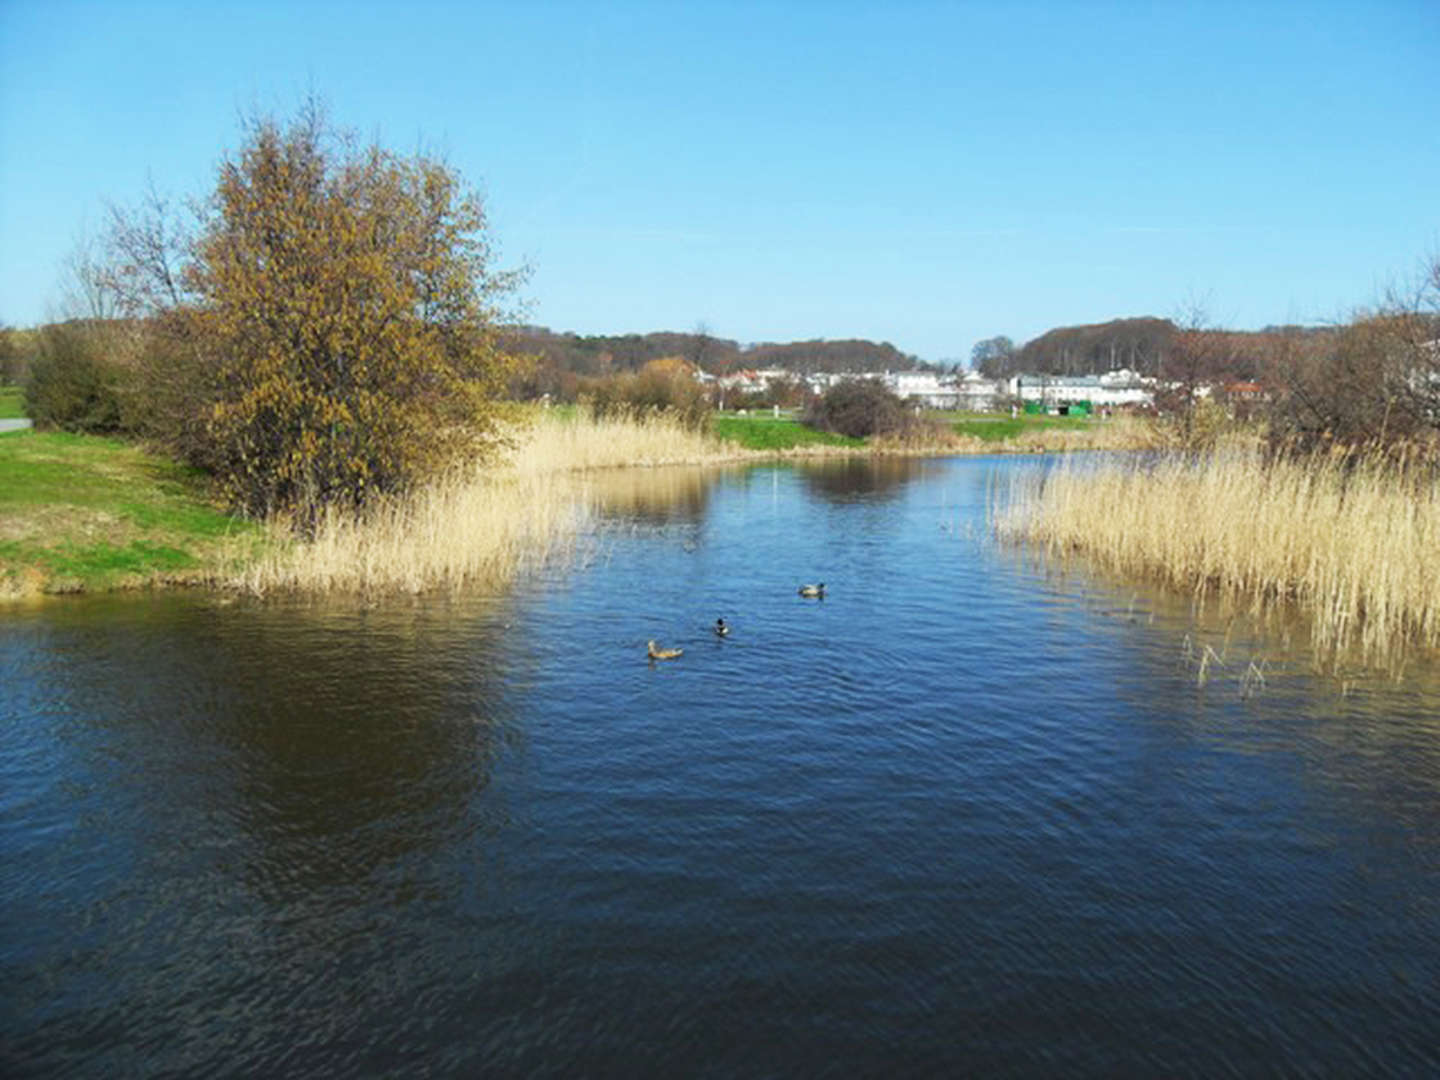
[147, 249]
[1374, 380]
[994, 357]
[1198, 357]
[1412, 320]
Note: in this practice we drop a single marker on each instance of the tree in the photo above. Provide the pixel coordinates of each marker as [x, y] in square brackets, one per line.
[702, 348]
[1197, 357]
[336, 305]
[1375, 380]
[993, 357]
[1412, 345]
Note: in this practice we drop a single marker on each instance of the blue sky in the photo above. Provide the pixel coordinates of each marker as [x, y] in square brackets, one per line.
[926, 174]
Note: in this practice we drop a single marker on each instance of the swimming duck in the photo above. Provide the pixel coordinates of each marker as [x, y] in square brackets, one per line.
[721, 630]
[657, 653]
[813, 590]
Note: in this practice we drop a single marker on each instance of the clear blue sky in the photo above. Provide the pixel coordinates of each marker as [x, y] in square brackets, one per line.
[927, 174]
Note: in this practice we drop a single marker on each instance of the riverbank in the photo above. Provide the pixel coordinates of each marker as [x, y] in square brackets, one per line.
[84, 514]
[1349, 538]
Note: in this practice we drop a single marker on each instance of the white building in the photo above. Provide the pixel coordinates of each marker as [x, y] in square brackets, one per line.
[1113, 389]
[925, 388]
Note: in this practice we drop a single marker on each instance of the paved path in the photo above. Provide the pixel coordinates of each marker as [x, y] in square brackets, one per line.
[13, 425]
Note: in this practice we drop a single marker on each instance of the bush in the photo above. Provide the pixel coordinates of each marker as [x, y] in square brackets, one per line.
[655, 388]
[74, 383]
[13, 362]
[860, 408]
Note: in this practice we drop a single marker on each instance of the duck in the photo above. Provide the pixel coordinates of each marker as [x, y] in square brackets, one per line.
[721, 630]
[657, 653]
[813, 590]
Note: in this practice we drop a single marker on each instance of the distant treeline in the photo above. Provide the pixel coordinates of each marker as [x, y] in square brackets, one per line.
[563, 358]
[1143, 345]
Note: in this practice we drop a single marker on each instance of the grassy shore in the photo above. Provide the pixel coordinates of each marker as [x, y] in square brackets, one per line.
[767, 433]
[84, 513]
[1352, 540]
[998, 428]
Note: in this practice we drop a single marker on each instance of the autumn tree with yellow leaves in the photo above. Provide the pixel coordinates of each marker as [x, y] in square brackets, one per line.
[332, 315]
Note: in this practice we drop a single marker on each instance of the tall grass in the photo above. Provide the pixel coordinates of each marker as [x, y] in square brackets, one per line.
[1117, 433]
[1353, 539]
[579, 440]
[478, 527]
[473, 529]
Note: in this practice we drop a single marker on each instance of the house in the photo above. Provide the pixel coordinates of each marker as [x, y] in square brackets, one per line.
[1111, 390]
[925, 388]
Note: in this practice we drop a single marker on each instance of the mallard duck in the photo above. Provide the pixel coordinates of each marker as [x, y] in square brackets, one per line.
[721, 630]
[812, 590]
[657, 653]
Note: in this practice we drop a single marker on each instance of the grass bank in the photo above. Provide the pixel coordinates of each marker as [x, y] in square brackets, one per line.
[1351, 539]
[997, 433]
[84, 513]
[12, 403]
[772, 434]
[997, 427]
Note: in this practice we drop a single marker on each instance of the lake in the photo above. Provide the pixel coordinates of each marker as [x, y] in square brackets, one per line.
[969, 814]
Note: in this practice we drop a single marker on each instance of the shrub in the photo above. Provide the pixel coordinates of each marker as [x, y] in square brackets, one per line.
[74, 383]
[657, 388]
[13, 360]
[860, 408]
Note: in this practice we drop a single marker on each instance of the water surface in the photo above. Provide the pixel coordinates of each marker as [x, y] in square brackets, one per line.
[967, 815]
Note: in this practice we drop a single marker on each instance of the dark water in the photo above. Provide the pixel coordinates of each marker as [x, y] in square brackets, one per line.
[963, 817]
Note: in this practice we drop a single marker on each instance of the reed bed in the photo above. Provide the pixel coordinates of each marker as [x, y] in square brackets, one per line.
[1117, 433]
[1353, 539]
[479, 527]
[476, 529]
[579, 441]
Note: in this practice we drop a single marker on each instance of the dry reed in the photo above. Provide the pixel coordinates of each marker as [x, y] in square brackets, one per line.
[1117, 433]
[557, 443]
[1354, 540]
[480, 527]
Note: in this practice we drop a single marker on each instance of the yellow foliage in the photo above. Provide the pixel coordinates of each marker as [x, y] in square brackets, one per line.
[345, 309]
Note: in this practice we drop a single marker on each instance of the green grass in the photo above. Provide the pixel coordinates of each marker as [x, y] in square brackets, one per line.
[12, 403]
[999, 428]
[79, 512]
[762, 432]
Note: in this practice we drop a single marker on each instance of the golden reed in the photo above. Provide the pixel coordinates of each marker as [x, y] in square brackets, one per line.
[1352, 538]
[476, 527]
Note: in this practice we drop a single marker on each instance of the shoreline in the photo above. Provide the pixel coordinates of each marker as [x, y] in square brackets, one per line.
[88, 514]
